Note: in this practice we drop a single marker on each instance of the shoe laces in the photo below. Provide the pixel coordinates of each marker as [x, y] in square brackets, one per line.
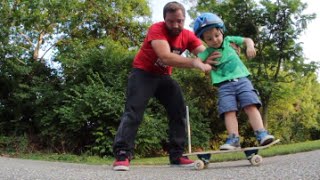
[261, 134]
[122, 156]
[232, 139]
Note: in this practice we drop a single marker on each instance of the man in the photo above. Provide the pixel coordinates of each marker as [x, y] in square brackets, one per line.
[150, 77]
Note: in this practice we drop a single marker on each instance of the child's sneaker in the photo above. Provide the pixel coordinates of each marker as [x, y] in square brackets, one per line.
[122, 162]
[232, 142]
[263, 137]
[182, 161]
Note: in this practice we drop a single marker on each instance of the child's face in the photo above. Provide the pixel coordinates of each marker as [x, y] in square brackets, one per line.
[213, 37]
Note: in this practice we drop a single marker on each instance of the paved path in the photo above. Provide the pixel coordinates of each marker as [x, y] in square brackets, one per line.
[294, 166]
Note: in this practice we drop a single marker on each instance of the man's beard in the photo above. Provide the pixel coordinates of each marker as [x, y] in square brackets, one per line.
[174, 31]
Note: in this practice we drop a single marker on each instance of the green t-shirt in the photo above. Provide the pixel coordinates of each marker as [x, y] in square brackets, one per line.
[230, 65]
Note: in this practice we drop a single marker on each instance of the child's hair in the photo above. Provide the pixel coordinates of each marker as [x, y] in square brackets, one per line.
[220, 29]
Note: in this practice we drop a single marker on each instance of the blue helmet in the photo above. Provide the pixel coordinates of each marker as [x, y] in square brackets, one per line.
[206, 21]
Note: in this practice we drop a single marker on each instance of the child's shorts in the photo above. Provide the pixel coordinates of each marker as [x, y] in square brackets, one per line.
[236, 94]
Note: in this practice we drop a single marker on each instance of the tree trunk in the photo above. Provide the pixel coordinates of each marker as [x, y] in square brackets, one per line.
[37, 49]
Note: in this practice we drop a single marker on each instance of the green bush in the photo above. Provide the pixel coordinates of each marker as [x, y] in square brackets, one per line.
[14, 145]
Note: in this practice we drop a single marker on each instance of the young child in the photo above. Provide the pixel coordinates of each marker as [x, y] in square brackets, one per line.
[230, 76]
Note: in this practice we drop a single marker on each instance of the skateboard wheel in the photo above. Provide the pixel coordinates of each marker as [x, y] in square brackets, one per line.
[256, 160]
[198, 165]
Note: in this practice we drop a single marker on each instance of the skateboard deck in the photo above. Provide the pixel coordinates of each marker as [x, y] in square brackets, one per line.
[250, 152]
[230, 151]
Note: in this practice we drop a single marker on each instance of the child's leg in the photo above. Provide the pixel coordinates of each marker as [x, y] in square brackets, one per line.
[233, 140]
[249, 101]
[228, 106]
[231, 122]
[254, 116]
[256, 123]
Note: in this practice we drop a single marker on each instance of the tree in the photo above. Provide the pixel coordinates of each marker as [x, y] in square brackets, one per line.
[30, 89]
[36, 26]
[295, 116]
[275, 27]
[280, 59]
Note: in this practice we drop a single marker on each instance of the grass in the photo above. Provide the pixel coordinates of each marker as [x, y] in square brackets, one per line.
[279, 149]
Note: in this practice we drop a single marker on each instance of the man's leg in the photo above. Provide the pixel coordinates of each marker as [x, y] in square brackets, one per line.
[140, 89]
[170, 95]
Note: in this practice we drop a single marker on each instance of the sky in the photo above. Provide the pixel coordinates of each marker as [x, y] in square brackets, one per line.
[310, 38]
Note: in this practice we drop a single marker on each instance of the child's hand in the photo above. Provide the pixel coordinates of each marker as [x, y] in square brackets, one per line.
[251, 52]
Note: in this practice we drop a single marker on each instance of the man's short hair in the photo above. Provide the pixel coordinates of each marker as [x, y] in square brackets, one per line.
[172, 7]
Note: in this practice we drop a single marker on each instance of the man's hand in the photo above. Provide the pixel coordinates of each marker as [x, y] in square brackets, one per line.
[197, 63]
[212, 59]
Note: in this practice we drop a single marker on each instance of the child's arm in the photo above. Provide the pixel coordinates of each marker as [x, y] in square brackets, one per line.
[250, 50]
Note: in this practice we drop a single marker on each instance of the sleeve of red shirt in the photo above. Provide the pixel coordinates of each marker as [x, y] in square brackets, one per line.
[194, 41]
[155, 32]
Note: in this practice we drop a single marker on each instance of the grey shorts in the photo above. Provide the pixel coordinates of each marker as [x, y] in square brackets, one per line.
[235, 95]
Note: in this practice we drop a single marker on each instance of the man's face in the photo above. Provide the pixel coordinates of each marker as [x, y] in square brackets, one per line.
[174, 22]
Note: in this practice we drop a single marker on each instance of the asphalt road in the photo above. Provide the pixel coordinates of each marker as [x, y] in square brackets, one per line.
[286, 167]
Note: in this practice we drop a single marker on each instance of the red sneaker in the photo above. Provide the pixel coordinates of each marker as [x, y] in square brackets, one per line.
[121, 164]
[183, 161]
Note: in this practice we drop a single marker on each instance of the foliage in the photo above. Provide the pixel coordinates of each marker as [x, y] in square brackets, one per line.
[28, 91]
[41, 101]
[16, 145]
[201, 101]
[92, 99]
[295, 116]
[36, 27]
[275, 28]
[72, 102]
[153, 132]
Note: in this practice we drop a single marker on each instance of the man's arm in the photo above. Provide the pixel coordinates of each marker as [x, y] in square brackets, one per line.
[212, 57]
[162, 49]
[198, 50]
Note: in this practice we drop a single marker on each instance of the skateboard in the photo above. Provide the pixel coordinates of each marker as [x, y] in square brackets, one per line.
[251, 154]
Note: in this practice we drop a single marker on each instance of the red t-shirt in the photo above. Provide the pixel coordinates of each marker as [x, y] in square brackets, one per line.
[147, 59]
